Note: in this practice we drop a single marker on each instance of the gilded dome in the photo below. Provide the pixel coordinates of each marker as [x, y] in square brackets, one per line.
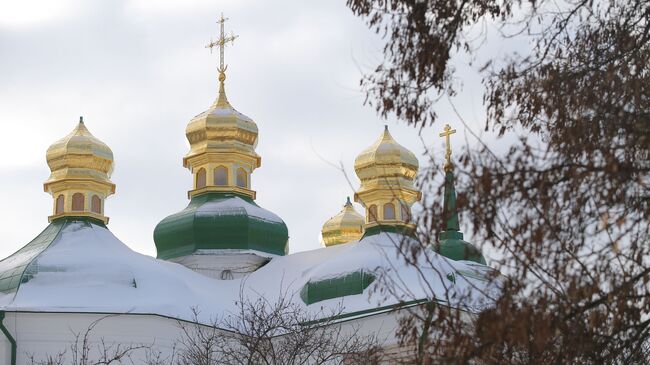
[387, 171]
[386, 158]
[344, 227]
[221, 128]
[80, 155]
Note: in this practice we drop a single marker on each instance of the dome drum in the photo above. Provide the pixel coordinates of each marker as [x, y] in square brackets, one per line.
[388, 212]
[222, 172]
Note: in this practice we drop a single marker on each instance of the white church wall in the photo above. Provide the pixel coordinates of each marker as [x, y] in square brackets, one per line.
[5, 350]
[382, 325]
[42, 334]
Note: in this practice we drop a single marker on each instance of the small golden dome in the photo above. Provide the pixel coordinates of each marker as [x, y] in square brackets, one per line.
[386, 158]
[79, 155]
[221, 128]
[81, 167]
[347, 226]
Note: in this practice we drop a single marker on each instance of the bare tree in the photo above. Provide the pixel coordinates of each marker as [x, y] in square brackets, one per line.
[279, 331]
[564, 209]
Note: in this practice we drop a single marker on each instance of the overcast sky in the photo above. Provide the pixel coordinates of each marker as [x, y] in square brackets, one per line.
[138, 72]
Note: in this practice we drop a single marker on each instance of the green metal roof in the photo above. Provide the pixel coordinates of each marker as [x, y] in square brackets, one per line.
[457, 249]
[220, 221]
[15, 269]
[451, 244]
[349, 284]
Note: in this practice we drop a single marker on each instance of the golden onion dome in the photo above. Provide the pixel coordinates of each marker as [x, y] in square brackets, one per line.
[347, 226]
[386, 158]
[80, 156]
[221, 127]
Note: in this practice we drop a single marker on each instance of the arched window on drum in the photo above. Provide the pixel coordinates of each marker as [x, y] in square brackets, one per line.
[60, 205]
[406, 212]
[389, 211]
[372, 213]
[200, 178]
[221, 176]
[96, 205]
[242, 178]
[78, 202]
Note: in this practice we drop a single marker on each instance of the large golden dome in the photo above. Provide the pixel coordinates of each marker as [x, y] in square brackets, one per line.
[386, 158]
[221, 128]
[222, 153]
[347, 226]
[79, 155]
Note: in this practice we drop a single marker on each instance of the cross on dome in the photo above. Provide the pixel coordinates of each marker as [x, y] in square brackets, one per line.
[447, 133]
[221, 43]
[222, 100]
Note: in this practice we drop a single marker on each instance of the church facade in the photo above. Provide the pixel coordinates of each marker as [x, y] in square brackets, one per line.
[76, 273]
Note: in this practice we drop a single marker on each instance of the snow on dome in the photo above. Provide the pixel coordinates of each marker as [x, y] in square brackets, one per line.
[376, 254]
[234, 206]
[87, 269]
[214, 221]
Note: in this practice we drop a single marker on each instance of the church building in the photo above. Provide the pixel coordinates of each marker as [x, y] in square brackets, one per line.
[76, 271]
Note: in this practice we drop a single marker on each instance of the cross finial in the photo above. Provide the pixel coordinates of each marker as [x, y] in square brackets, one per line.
[447, 133]
[221, 43]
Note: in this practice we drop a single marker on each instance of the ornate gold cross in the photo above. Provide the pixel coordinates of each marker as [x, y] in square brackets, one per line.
[447, 133]
[221, 43]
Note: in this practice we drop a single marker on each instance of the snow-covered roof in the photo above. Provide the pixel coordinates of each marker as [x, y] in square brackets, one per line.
[87, 269]
[236, 204]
